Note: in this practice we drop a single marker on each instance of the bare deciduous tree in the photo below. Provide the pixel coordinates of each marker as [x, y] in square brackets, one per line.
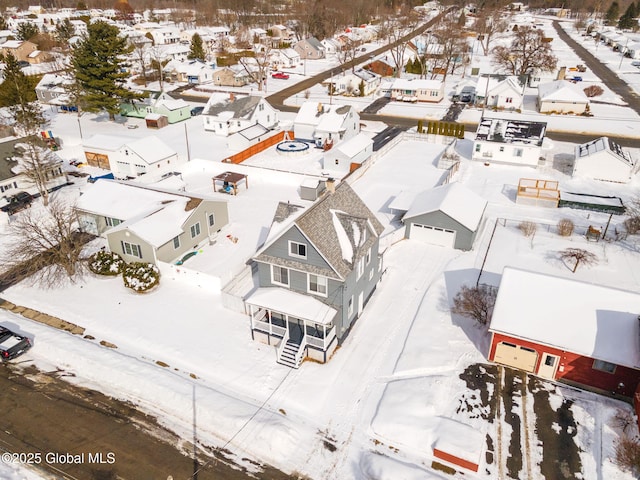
[39, 165]
[578, 256]
[475, 302]
[528, 51]
[565, 227]
[45, 244]
[257, 67]
[488, 24]
[628, 453]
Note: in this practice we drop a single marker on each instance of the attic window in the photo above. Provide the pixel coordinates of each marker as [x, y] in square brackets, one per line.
[297, 249]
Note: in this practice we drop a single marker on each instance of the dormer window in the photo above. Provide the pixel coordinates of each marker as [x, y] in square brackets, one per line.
[298, 250]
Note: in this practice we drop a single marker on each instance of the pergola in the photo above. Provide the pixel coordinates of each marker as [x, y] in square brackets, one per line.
[230, 181]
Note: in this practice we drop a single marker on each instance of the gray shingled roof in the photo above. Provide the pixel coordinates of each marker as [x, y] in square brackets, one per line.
[241, 107]
[317, 224]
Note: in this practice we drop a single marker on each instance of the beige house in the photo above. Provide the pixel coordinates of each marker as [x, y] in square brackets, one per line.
[561, 96]
[146, 225]
[417, 90]
[231, 77]
[20, 49]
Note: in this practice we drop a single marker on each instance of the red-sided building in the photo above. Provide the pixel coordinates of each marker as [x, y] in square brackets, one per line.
[562, 329]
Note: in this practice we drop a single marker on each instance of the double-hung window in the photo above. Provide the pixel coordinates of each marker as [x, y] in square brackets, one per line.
[318, 284]
[131, 249]
[195, 230]
[280, 275]
[297, 249]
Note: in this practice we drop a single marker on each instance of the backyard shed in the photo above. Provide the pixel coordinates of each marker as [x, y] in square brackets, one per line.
[156, 120]
[603, 159]
[311, 188]
[449, 215]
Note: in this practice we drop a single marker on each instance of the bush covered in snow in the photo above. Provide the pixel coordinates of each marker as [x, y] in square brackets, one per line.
[106, 263]
[140, 276]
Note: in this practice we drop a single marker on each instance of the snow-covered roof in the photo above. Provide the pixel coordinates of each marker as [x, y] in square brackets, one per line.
[12, 44]
[355, 145]
[603, 144]
[454, 200]
[163, 224]
[105, 142]
[292, 303]
[417, 84]
[121, 201]
[584, 318]
[151, 149]
[327, 118]
[561, 91]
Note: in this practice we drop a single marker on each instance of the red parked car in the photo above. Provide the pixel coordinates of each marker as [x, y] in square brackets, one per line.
[280, 75]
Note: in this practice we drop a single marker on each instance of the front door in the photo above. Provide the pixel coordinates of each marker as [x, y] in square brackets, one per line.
[548, 366]
[296, 330]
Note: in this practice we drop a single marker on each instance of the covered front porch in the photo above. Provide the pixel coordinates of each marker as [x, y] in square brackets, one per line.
[297, 325]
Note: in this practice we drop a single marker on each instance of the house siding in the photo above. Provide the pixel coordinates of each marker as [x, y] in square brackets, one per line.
[490, 152]
[114, 240]
[577, 368]
[280, 249]
[464, 236]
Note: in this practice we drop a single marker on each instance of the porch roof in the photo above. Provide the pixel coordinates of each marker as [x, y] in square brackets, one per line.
[291, 303]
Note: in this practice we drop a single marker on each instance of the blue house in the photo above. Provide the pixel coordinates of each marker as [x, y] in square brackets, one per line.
[317, 270]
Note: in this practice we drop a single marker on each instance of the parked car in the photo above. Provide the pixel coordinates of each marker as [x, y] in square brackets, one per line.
[635, 63]
[12, 344]
[23, 64]
[17, 202]
[196, 111]
[280, 75]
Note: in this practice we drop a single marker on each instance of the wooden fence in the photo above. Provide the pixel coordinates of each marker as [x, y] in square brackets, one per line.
[258, 147]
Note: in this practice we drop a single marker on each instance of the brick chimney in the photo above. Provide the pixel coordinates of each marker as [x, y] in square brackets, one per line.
[330, 183]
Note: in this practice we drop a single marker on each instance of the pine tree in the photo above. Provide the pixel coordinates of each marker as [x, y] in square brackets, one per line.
[628, 19]
[18, 93]
[100, 69]
[65, 30]
[196, 52]
[613, 13]
[27, 30]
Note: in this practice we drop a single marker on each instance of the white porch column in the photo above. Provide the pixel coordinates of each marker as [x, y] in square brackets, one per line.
[251, 315]
[324, 336]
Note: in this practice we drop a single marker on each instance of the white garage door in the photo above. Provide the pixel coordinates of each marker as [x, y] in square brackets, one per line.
[516, 356]
[434, 235]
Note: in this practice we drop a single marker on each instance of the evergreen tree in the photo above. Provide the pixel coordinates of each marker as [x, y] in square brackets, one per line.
[65, 30]
[196, 52]
[18, 93]
[27, 30]
[613, 13]
[100, 69]
[3, 24]
[628, 19]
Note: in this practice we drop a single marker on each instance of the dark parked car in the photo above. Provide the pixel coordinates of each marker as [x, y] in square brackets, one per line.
[12, 344]
[196, 111]
[17, 202]
[23, 64]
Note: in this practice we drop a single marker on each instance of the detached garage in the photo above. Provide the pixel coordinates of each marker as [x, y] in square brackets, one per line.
[448, 215]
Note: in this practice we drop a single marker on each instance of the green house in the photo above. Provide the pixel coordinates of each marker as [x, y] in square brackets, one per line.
[159, 103]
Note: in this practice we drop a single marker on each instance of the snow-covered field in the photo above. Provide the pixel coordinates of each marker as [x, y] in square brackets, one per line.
[390, 392]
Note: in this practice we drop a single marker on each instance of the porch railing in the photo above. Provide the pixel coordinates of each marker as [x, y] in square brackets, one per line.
[283, 343]
[269, 328]
[322, 343]
[301, 349]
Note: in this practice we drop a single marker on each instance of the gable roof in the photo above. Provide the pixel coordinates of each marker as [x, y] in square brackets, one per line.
[151, 149]
[454, 200]
[325, 117]
[561, 91]
[335, 226]
[238, 107]
[583, 318]
[604, 144]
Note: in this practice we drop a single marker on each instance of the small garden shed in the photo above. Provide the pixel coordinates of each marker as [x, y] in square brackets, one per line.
[156, 120]
[449, 215]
